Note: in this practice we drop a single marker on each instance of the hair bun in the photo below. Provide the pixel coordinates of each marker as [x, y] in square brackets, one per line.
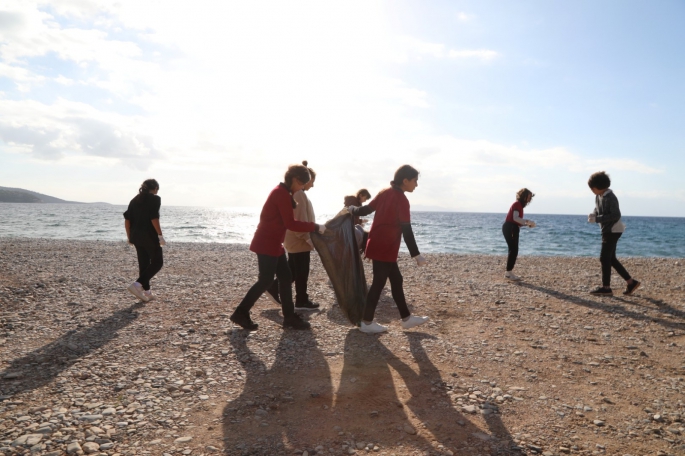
[304, 162]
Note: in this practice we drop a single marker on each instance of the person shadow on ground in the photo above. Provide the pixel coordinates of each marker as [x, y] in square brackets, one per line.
[41, 366]
[369, 398]
[282, 406]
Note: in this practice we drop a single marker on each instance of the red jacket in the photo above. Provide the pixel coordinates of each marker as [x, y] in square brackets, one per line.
[275, 219]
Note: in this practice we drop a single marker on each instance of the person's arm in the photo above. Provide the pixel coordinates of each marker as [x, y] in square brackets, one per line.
[300, 214]
[410, 240]
[127, 225]
[285, 208]
[611, 213]
[517, 218]
[155, 223]
[361, 211]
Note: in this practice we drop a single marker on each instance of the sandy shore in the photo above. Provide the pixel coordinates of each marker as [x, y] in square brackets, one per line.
[539, 367]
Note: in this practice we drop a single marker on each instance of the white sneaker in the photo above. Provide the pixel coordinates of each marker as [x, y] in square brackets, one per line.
[511, 276]
[149, 295]
[413, 320]
[136, 290]
[372, 328]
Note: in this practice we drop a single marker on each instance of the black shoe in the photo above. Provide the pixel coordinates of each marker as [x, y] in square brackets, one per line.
[243, 320]
[632, 287]
[295, 322]
[602, 291]
[306, 306]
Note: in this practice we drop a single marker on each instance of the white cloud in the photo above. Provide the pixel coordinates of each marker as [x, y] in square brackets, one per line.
[66, 129]
[409, 47]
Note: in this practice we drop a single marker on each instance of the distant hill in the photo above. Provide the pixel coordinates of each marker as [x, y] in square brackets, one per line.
[19, 195]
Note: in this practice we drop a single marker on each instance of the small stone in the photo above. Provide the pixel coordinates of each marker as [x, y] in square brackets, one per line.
[469, 409]
[183, 440]
[91, 447]
[409, 429]
[109, 411]
[598, 422]
[74, 448]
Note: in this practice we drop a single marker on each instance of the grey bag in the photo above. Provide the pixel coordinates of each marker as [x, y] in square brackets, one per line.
[339, 253]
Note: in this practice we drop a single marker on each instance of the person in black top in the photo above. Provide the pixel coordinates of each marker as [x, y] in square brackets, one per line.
[144, 232]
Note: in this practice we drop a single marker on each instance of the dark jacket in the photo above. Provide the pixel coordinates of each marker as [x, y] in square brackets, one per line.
[607, 210]
[141, 211]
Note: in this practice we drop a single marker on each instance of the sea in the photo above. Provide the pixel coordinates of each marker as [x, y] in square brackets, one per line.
[436, 232]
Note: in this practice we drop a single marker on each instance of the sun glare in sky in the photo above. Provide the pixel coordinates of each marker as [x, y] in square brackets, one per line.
[214, 99]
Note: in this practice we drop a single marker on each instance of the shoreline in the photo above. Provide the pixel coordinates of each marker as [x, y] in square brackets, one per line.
[501, 368]
[243, 245]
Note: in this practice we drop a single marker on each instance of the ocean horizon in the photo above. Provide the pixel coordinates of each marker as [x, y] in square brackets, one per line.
[435, 231]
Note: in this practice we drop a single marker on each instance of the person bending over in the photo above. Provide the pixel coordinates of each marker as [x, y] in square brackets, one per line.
[511, 228]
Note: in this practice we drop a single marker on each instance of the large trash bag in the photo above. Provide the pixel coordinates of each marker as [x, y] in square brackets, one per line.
[339, 253]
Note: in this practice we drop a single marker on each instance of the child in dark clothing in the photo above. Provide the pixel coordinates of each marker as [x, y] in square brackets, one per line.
[276, 217]
[145, 233]
[608, 215]
[391, 222]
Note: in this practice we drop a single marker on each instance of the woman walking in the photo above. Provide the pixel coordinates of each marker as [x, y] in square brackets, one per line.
[145, 233]
[276, 217]
[391, 222]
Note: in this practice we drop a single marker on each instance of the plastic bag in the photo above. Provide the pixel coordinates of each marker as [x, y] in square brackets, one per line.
[339, 253]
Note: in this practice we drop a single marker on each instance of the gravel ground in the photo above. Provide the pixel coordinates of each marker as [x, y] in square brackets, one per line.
[539, 367]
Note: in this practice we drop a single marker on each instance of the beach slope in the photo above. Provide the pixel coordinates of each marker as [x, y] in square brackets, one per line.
[538, 367]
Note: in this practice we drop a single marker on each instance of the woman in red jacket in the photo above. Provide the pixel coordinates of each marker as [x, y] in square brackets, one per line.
[267, 243]
[391, 222]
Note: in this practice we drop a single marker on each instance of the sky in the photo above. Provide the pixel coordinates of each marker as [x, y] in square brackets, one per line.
[215, 99]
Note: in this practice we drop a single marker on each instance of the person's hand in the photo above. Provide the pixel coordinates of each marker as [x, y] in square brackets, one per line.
[351, 209]
[128, 241]
[311, 244]
[530, 223]
[592, 218]
[420, 260]
[162, 242]
[322, 229]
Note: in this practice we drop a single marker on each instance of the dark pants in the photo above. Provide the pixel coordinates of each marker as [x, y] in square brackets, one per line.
[150, 261]
[268, 267]
[511, 231]
[608, 258]
[382, 271]
[299, 268]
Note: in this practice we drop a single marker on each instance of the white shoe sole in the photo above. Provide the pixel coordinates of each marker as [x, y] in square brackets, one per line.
[135, 292]
[414, 324]
[513, 279]
[373, 331]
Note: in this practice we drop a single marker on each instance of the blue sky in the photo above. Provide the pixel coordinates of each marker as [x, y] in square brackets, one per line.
[215, 99]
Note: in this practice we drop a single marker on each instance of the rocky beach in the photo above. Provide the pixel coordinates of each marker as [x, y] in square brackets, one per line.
[536, 367]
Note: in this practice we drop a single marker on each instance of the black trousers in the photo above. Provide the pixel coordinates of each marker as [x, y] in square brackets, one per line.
[511, 231]
[382, 271]
[270, 266]
[299, 268]
[608, 258]
[150, 260]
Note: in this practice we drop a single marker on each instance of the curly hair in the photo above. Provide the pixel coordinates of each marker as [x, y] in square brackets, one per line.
[522, 196]
[599, 180]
